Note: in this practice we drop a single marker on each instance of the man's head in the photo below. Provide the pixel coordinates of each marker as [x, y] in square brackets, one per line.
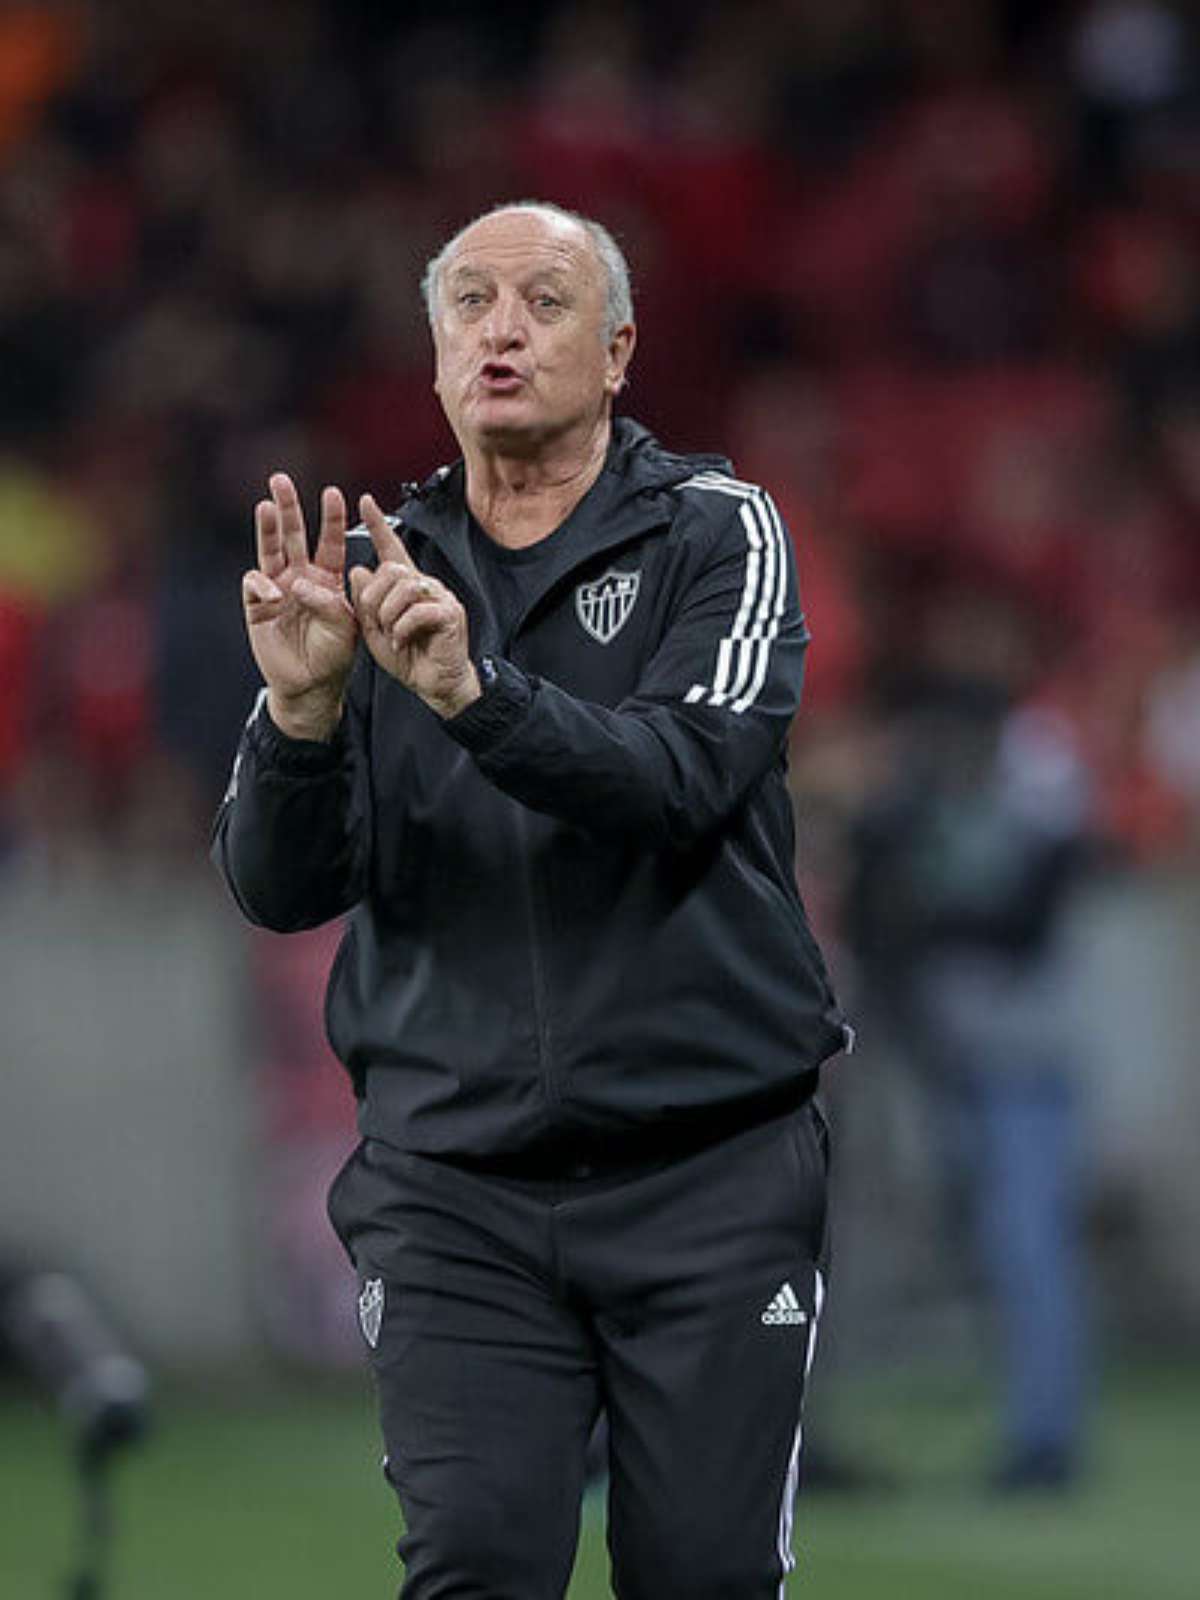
[532, 325]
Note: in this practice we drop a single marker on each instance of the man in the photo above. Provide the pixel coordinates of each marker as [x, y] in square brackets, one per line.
[537, 751]
[968, 862]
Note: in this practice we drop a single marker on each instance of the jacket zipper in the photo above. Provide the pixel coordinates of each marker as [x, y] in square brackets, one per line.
[537, 977]
[544, 1045]
[544, 1042]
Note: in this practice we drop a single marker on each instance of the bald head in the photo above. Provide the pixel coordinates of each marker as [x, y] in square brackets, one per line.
[521, 303]
[609, 258]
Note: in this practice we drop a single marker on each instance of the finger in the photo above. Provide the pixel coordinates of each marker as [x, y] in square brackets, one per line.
[262, 598]
[401, 595]
[291, 519]
[267, 538]
[366, 608]
[427, 616]
[388, 543]
[331, 546]
[376, 642]
[373, 587]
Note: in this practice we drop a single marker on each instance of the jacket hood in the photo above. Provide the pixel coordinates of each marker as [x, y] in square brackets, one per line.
[635, 456]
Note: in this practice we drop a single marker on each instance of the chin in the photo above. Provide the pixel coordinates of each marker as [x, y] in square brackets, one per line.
[510, 433]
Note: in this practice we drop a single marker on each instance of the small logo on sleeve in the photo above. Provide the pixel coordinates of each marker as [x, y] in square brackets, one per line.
[370, 1310]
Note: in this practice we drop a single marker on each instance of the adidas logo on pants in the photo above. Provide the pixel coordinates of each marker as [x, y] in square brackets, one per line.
[785, 1310]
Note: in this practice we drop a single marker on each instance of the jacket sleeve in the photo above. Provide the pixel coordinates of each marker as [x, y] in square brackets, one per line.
[290, 835]
[708, 719]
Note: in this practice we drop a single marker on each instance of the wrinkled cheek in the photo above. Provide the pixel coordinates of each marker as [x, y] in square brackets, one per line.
[453, 389]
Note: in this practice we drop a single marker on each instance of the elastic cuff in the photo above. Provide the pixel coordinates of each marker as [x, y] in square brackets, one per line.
[300, 756]
[486, 722]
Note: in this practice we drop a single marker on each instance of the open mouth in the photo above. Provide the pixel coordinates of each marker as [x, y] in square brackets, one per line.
[499, 376]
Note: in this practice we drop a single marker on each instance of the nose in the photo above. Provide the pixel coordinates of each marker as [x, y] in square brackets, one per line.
[504, 327]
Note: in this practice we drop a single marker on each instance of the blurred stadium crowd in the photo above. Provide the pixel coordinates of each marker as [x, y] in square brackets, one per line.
[928, 268]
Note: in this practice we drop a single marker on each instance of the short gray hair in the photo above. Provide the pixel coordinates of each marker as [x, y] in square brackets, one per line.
[619, 299]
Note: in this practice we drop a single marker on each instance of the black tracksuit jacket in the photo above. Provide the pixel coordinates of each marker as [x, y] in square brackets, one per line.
[574, 925]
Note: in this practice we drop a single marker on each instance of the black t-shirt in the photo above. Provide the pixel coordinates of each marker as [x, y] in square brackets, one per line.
[512, 577]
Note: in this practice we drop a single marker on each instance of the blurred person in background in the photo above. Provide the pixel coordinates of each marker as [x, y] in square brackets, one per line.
[967, 861]
[536, 748]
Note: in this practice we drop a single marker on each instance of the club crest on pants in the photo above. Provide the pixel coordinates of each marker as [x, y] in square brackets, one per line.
[604, 606]
[370, 1310]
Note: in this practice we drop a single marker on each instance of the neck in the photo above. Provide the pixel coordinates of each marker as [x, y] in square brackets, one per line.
[518, 499]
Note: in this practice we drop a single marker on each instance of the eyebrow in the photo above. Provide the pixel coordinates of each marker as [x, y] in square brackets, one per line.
[549, 274]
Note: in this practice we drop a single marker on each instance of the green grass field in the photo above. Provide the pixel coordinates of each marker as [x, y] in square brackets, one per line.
[270, 1493]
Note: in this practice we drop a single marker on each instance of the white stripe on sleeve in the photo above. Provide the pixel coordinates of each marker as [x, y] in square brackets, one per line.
[743, 655]
[767, 630]
[260, 701]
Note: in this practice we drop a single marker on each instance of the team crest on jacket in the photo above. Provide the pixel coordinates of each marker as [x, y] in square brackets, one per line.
[604, 606]
[370, 1310]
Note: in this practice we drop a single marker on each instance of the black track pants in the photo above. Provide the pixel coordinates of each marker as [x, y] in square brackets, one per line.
[503, 1316]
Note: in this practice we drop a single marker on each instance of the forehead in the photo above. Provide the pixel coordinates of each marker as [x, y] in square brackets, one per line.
[520, 242]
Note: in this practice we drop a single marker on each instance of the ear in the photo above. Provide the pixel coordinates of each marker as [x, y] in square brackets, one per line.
[620, 353]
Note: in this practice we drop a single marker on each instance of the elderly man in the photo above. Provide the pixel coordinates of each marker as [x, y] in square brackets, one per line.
[535, 747]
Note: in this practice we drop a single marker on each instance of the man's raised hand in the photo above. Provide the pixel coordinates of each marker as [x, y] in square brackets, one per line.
[302, 630]
[413, 625]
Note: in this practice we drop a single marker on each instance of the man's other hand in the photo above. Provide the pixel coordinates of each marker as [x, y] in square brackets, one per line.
[302, 629]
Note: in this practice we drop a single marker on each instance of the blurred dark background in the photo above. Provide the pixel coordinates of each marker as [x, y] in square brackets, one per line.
[929, 270]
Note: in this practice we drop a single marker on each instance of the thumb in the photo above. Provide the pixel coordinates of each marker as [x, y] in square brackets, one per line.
[368, 616]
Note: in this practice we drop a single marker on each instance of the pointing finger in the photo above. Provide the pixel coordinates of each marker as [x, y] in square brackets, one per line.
[388, 544]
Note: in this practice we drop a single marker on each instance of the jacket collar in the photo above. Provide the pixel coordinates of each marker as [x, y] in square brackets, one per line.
[629, 497]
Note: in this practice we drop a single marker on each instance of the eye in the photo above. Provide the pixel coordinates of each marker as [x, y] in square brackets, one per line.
[547, 302]
[470, 297]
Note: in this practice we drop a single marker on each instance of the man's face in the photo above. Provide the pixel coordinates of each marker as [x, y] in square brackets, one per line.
[519, 334]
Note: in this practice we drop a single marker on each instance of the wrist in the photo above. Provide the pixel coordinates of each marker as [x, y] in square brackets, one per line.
[313, 715]
[507, 694]
[464, 692]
